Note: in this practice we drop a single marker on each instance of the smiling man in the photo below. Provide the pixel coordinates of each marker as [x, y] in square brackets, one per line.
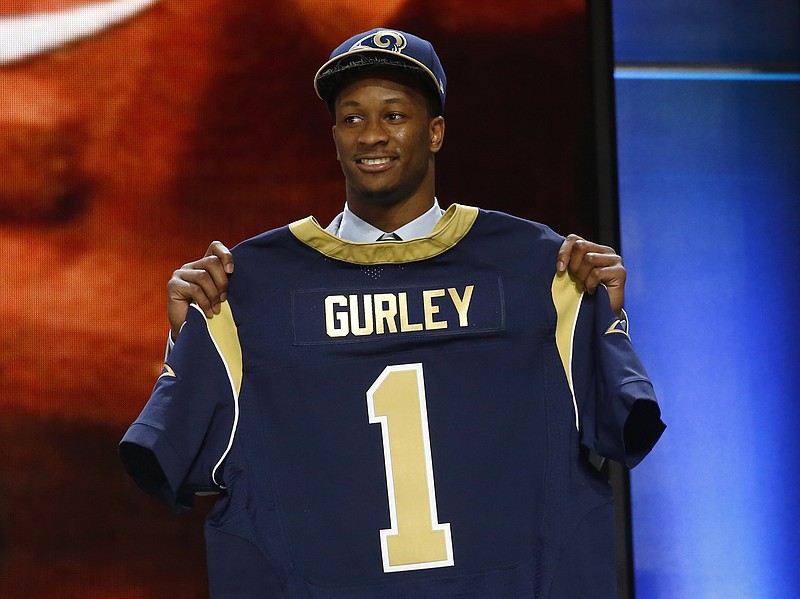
[388, 126]
[408, 402]
[386, 139]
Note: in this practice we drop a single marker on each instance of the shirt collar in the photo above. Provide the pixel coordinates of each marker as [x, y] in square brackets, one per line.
[352, 228]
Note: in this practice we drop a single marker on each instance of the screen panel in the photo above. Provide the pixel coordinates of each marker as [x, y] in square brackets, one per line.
[137, 132]
[710, 32]
[710, 212]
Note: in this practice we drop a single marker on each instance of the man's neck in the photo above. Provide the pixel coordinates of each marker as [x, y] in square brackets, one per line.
[392, 217]
[351, 227]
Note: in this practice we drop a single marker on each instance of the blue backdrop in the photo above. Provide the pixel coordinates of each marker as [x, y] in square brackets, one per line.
[708, 125]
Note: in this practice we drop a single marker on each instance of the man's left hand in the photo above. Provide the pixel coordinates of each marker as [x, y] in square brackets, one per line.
[592, 264]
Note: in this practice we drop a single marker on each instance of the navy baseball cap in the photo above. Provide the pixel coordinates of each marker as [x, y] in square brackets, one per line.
[386, 48]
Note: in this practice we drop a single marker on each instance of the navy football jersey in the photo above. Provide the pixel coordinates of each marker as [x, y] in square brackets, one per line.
[400, 419]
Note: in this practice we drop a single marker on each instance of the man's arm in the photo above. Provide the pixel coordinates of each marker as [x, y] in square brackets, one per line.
[204, 282]
[593, 264]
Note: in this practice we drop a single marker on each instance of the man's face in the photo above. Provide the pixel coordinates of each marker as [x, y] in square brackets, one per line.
[385, 141]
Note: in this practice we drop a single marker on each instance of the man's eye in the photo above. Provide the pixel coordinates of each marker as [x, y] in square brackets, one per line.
[394, 116]
[352, 119]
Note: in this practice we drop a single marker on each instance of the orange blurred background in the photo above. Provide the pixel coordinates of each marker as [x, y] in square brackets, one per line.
[124, 152]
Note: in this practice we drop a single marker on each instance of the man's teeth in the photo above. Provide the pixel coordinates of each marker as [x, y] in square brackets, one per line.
[372, 161]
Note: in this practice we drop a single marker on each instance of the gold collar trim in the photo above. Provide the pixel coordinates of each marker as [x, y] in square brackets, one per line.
[455, 223]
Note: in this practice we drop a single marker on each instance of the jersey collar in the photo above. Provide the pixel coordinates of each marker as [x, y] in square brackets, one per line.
[454, 224]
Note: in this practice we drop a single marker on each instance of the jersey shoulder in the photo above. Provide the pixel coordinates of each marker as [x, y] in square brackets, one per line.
[245, 250]
[503, 222]
[514, 244]
[264, 260]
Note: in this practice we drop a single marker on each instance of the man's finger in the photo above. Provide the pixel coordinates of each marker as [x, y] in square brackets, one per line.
[565, 252]
[200, 287]
[610, 276]
[215, 267]
[204, 271]
[591, 265]
[218, 249]
[204, 282]
[598, 268]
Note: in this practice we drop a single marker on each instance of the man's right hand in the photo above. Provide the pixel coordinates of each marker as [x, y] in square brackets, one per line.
[204, 282]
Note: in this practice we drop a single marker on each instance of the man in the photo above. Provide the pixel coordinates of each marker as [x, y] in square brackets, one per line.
[406, 403]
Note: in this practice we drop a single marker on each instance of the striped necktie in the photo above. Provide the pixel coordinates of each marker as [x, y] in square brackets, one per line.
[389, 237]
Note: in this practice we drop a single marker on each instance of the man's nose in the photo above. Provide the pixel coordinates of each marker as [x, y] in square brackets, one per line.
[373, 133]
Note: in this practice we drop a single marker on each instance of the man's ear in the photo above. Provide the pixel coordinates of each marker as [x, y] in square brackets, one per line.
[333, 132]
[436, 130]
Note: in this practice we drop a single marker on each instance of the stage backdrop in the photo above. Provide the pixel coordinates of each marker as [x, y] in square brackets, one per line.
[708, 107]
[132, 132]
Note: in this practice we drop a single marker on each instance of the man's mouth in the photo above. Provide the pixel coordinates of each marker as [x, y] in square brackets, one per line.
[374, 161]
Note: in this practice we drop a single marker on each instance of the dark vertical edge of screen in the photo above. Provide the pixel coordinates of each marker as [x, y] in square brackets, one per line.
[620, 483]
[605, 129]
[608, 228]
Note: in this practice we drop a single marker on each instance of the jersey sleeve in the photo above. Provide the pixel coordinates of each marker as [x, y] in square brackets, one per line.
[175, 447]
[619, 416]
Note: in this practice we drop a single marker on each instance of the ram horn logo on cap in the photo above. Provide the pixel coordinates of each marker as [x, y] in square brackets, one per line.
[27, 35]
[386, 39]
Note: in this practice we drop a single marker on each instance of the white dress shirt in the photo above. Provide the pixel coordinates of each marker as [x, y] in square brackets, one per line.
[352, 228]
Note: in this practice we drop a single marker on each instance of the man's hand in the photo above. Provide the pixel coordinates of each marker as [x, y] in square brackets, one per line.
[592, 264]
[204, 282]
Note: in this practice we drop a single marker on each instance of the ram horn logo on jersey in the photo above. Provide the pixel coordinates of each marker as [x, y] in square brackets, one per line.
[618, 326]
[35, 33]
[393, 41]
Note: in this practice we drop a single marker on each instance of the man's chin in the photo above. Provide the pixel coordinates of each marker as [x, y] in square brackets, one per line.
[384, 196]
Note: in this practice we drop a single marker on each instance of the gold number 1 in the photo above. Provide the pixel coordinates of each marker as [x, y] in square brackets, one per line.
[416, 539]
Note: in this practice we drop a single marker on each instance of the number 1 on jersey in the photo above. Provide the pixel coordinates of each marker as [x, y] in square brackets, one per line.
[416, 539]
